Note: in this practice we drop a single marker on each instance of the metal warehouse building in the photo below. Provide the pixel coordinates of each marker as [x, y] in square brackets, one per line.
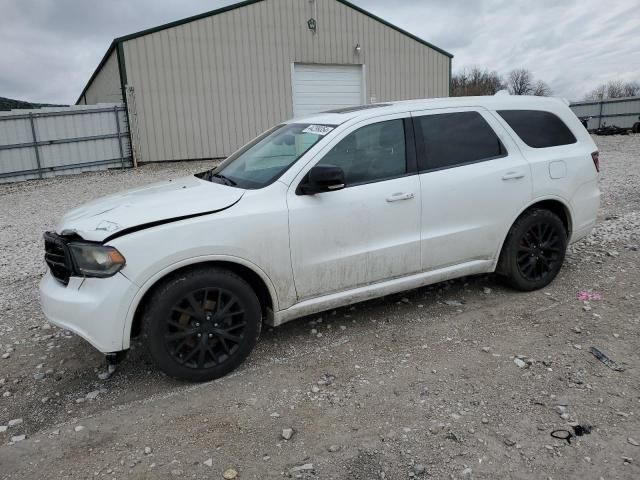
[202, 87]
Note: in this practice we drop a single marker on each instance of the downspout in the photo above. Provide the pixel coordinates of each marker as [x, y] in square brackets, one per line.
[450, 76]
[122, 69]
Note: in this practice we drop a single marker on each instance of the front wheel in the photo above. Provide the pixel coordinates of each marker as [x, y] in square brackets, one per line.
[534, 250]
[201, 324]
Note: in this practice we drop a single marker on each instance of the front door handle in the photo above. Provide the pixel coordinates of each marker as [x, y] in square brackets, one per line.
[513, 176]
[400, 196]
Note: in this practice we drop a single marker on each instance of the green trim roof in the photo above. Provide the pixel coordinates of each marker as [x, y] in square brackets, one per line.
[234, 6]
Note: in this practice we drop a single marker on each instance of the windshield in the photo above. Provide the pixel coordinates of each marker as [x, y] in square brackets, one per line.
[267, 157]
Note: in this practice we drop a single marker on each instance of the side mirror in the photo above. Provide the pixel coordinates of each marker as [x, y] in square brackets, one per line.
[323, 178]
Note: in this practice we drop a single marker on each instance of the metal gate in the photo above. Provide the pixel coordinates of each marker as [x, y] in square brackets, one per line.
[58, 141]
[623, 112]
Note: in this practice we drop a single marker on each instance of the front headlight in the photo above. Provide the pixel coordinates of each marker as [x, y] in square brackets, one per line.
[96, 260]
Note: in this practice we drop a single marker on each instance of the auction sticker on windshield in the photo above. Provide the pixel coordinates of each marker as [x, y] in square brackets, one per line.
[318, 129]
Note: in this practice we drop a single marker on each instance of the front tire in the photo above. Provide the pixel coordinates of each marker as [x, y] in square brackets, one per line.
[201, 324]
[534, 250]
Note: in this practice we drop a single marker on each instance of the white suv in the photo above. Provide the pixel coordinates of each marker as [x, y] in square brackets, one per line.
[321, 212]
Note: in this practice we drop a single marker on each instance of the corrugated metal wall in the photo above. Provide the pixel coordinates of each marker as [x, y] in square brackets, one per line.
[622, 112]
[205, 88]
[105, 87]
[58, 141]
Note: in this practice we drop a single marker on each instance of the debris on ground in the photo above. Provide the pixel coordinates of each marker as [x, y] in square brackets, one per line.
[578, 431]
[606, 360]
[587, 296]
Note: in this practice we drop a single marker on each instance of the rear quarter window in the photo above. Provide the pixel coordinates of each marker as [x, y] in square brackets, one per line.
[537, 128]
[448, 140]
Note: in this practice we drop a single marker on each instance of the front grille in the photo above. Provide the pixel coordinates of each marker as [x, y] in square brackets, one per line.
[57, 257]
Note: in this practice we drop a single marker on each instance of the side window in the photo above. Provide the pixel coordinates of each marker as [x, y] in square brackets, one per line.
[372, 153]
[449, 140]
[538, 129]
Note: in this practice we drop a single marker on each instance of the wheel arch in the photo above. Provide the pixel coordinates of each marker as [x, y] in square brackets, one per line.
[251, 273]
[555, 204]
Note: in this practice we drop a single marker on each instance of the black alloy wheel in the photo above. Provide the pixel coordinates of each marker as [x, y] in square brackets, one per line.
[205, 328]
[201, 324]
[539, 251]
[534, 250]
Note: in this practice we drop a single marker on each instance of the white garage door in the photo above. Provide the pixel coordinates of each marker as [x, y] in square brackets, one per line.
[317, 88]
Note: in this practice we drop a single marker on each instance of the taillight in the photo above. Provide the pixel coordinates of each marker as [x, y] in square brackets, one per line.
[595, 156]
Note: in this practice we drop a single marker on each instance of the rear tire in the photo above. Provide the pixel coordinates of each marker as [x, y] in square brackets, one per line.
[534, 250]
[201, 324]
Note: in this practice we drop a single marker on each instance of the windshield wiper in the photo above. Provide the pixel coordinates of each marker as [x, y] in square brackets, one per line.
[226, 180]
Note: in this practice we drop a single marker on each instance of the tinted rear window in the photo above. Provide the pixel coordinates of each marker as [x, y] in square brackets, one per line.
[449, 140]
[538, 129]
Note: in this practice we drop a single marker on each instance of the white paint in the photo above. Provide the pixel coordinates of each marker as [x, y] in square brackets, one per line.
[331, 249]
[466, 210]
[340, 299]
[557, 169]
[317, 88]
[171, 199]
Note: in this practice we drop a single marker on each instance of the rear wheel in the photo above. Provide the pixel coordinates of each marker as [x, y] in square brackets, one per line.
[202, 324]
[534, 250]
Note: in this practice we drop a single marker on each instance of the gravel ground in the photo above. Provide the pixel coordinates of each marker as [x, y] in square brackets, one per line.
[464, 379]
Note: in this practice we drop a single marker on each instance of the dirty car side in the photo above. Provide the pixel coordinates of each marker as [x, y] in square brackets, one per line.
[308, 253]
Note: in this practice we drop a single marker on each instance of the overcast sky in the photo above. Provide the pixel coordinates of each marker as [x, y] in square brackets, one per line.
[49, 48]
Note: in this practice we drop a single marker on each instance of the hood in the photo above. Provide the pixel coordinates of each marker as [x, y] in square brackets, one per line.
[149, 205]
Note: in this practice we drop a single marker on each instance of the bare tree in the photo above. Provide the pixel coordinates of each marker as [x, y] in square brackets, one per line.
[475, 81]
[520, 82]
[631, 89]
[614, 89]
[541, 89]
[597, 93]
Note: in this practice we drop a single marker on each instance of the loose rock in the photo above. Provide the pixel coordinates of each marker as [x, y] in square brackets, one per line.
[302, 468]
[230, 474]
[93, 395]
[520, 363]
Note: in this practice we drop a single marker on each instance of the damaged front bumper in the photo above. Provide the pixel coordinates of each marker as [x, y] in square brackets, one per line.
[93, 308]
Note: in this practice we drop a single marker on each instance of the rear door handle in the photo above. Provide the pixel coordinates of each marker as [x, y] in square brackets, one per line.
[400, 196]
[513, 176]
